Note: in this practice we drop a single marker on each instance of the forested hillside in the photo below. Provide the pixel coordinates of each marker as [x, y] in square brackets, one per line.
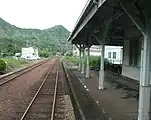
[51, 40]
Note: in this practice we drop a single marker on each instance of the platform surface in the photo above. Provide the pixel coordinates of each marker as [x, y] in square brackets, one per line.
[119, 99]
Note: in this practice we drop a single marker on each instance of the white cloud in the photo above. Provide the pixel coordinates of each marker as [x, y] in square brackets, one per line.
[41, 14]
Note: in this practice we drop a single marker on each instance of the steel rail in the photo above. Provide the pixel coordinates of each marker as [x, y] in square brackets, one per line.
[35, 96]
[55, 95]
[27, 69]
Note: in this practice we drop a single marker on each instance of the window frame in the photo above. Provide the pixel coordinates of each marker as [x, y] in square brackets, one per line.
[109, 55]
[114, 55]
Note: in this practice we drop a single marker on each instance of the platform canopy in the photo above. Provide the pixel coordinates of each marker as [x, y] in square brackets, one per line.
[112, 21]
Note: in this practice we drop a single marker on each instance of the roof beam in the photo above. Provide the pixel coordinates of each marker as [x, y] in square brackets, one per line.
[97, 38]
[130, 9]
[85, 21]
[78, 46]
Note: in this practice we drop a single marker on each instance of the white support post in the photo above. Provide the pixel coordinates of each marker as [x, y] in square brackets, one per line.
[144, 91]
[83, 55]
[80, 62]
[87, 63]
[101, 72]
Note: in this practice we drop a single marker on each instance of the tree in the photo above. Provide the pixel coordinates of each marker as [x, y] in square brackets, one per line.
[44, 53]
[52, 40]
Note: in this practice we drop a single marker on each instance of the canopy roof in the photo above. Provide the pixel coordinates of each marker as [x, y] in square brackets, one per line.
[116, 15]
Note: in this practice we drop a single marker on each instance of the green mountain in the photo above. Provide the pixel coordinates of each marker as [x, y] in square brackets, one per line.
[51, 40]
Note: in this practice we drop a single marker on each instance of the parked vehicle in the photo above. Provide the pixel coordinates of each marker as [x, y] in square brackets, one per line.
[33, 58]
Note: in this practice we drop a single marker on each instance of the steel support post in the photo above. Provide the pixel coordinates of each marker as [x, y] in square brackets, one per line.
[144, 91]
[80, 60]
[101, 72]
[83, 56]
[87, 63]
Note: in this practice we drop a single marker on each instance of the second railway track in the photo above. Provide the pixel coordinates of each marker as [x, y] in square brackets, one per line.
[37, 95]
[12, 76]
[48, 101]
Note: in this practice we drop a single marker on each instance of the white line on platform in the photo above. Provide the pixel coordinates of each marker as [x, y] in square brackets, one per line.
[103, 111]
[110, 118]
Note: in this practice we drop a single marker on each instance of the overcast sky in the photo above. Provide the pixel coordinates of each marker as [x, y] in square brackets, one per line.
[41, 14]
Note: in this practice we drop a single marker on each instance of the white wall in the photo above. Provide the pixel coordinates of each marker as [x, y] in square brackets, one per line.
[131, 72]
[127, 70]
[119, 53]
[29, 52]
[75, 52]
[36, 51]
[95, 50]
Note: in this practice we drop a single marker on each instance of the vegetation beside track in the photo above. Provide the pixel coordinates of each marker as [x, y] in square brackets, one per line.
[2, 66]
[13, 63]
[72, 59]
[94, 62]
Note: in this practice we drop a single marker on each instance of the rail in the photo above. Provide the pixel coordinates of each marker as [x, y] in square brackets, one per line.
[55, 96]
[38, 91]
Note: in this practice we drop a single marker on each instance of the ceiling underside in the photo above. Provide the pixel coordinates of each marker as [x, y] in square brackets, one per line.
[120, 27]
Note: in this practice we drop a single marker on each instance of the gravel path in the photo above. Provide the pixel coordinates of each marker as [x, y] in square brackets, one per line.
[69, 112]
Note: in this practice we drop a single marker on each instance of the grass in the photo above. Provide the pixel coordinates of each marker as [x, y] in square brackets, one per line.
[72, 59]
[94, 61]
[14, 63]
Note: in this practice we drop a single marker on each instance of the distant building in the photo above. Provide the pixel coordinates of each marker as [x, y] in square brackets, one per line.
[17, 54]
[112, 53]
[95, 50]
[29, 52]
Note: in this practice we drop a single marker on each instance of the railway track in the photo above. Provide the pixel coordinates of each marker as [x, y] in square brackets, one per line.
[14, 75]
[58, 112]
[48, 101]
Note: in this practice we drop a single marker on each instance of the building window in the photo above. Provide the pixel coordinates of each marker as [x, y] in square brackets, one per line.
[109, 54]
[114, 55]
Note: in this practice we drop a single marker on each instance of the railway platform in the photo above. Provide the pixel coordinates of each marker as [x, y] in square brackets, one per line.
[119, 99]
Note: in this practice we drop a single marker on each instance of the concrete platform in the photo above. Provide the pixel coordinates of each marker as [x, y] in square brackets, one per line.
[119, 99]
